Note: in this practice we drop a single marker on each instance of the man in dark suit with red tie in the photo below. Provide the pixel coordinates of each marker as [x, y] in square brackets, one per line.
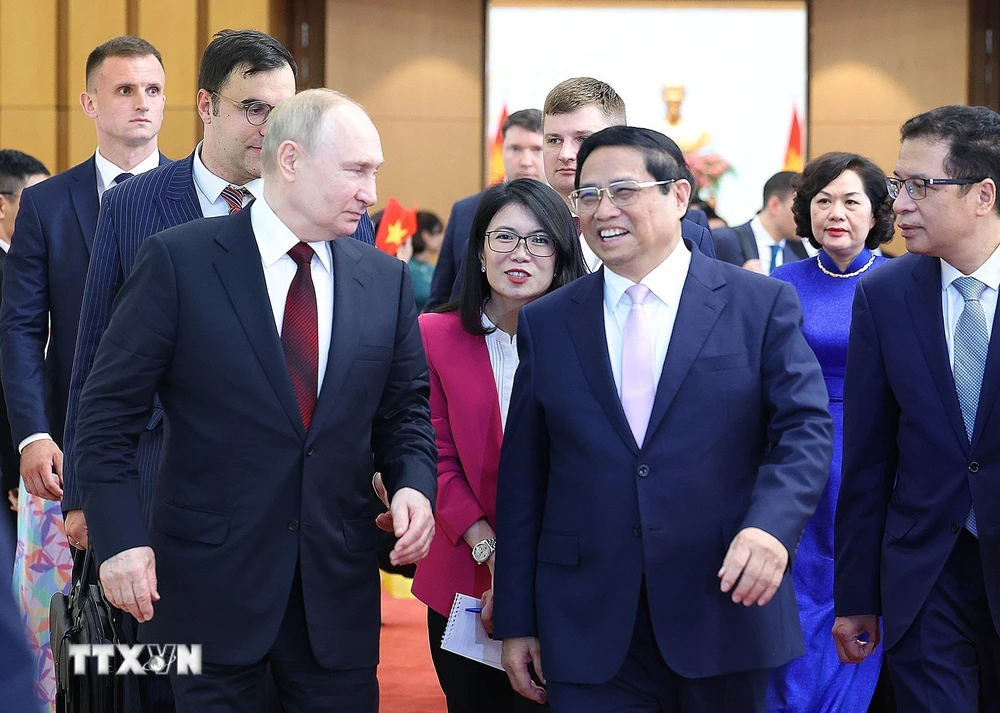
[287, 359]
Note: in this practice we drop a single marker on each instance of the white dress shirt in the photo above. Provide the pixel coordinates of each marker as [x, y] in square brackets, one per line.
[665, 283]
[952, 303]
[5, 246]
[107, 171]
[210, 187]
[590, 258]
[274, 240]
[764, 242]
[503, 358]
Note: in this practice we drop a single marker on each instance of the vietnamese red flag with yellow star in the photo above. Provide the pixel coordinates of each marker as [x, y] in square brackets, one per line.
[497, 172]
[397, 224]
[793, 154]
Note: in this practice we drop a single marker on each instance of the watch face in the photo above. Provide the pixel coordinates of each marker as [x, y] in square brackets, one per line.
[480, 552]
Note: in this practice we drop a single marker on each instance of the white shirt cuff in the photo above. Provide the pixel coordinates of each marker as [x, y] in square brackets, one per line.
[31, 439]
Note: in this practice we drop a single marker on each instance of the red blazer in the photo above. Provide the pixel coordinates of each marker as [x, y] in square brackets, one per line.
[465, 413]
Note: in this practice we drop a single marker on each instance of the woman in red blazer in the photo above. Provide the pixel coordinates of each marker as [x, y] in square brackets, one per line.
[523, 244]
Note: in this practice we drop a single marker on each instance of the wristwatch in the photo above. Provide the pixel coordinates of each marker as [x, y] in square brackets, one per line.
[483, 549]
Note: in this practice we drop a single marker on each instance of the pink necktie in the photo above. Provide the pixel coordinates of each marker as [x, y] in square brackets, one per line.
[638, 389]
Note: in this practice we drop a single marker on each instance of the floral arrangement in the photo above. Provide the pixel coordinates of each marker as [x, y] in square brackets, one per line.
[708, 170]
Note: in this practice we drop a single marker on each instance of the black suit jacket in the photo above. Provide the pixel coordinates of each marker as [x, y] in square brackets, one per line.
[244, 495]
[9, 461]
[737, 245]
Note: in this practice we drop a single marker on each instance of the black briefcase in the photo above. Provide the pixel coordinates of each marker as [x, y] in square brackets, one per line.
[84, 616]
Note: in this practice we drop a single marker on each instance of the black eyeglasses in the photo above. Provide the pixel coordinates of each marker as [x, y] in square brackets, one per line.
[504, 241]
[916, 188]
[256, 111]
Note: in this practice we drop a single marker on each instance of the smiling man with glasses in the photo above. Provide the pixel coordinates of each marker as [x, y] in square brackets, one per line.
[917, 530]
[684, 448]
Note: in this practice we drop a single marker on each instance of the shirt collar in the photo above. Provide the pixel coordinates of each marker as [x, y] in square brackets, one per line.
[4, 245]
[760, 233]
[666, 280]
[107, 172]
[275, 239]
[211, 186]
[988, 273]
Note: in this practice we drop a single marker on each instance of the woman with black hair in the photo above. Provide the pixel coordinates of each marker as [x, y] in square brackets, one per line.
[523, 245]
[842, 207]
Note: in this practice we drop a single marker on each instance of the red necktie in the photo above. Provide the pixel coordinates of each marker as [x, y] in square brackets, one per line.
[234, 195]
[300, 333]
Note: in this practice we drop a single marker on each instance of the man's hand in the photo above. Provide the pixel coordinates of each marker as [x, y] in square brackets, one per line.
[517, 654]
[41, 469]
[12, 499]
[856, 637]
[383, 520]
[129, 581]
[754, 265]
[413, 525]
[76, 529]
[758, 560]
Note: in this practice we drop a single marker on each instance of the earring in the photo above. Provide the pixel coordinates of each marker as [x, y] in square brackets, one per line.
[482, 268]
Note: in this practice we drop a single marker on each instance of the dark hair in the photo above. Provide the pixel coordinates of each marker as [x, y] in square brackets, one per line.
[780, 184]
[427, 223]
[527, 119]
[246, 51]
[557, 222]
[663, 158]
[818, 174]
[124, 46]
[972, 135]
[16, 168]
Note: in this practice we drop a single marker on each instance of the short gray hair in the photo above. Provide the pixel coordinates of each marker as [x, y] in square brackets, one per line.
[299, 119]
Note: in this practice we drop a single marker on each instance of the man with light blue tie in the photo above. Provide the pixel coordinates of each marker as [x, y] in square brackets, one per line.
[668, 439]
[917, 532]
[767, 240]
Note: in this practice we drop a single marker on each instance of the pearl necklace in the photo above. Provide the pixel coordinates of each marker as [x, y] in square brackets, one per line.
[845, 275]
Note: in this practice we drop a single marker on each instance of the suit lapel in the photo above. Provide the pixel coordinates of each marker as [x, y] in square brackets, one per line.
[747, 241]
[83, 191]
[701, 303]
[924, 301]
[794, 251]
[179, 202]
[586, 327]
[239, 268]
[350, 305]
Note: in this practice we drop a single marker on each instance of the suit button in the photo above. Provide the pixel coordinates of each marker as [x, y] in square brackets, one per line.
[642, 471]
[955, 528]
[293, 525]
[310, 451]
[973, 467]
[637, 532]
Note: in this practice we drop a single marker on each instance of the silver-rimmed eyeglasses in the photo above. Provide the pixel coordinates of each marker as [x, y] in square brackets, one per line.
[621, 193]
[256, 111]
[505, 241]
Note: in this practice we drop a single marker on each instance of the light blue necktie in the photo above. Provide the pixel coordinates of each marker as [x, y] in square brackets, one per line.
[972, 341]
[775, 249]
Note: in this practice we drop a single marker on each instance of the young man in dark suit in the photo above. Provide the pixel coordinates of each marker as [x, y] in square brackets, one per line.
[54, 232]
[655, 480]
[288, 362]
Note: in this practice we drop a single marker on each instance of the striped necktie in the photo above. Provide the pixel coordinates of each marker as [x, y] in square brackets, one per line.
[300, 333]
[234, 196]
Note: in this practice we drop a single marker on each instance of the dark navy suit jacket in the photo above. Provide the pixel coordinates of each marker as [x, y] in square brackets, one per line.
[45, 273]
[737, 245]
[142, 206]
[910, 473]
[244, 494]
[445, 284]
[739, 436]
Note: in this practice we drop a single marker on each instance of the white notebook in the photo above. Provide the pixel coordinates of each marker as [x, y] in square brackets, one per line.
[464, 635]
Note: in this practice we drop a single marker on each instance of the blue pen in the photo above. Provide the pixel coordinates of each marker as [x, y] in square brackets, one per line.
[474, 610]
